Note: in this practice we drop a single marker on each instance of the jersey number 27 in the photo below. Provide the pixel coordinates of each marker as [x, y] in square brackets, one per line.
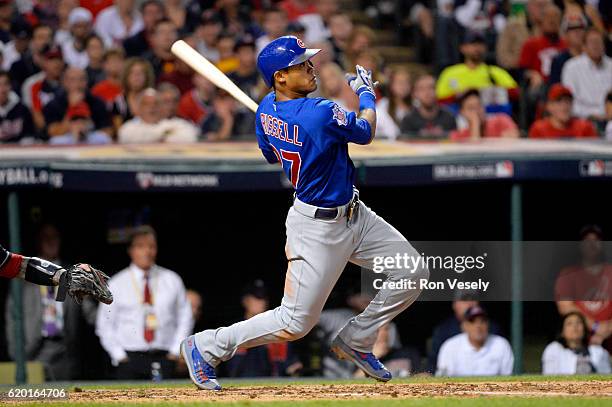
[294, 161]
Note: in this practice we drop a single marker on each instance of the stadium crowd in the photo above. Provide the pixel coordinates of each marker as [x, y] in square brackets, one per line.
[97, 72]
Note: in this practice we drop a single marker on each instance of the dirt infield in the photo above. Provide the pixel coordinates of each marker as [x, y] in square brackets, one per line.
[348, 391]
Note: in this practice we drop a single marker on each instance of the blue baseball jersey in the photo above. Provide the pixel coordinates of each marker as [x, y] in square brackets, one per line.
[309, 137]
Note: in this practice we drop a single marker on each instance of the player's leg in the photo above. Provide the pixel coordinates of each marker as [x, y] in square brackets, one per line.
[317, 252]
[380, 239]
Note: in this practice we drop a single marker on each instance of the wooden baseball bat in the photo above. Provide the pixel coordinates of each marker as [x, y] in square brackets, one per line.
[205, 68]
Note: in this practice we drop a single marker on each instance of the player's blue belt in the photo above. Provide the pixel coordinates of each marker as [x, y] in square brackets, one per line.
[327, 213]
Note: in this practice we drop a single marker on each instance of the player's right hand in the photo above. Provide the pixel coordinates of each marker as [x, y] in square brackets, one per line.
[362, 81]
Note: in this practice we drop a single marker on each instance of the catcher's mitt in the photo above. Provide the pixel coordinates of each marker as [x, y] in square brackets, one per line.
[81, 280]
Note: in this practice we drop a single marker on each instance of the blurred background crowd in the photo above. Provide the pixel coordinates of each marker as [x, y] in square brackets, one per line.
[101, 71]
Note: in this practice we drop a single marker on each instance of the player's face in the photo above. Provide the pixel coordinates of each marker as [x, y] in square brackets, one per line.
[143, 251]
[477, 330]
[300, 78]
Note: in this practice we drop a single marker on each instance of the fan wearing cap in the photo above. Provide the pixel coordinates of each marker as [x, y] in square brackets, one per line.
[475, 352]
[560, 123]
[73, 92]
[495, 84]
[46, 86]
[21, 33]
[30, 61]
[247, 79]
[587, 287]
[73, 49]
[573, 27]
[80, 128]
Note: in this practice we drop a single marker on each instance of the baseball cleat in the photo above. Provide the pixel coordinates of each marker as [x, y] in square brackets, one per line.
[202, 374]
[365, 361]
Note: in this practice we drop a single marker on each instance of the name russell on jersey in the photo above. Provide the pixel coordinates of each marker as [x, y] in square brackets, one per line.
[277, 128]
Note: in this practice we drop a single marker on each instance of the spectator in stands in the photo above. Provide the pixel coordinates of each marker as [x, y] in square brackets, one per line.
[317, 23]
[497, 88]
[137, 75]
[51, 329]
[575, 287]
[109, 88]
[73, 49]
[208, 34]
[195, 300]
[480, 16]
[388, 348]
[30, 62]
[274, 359]
[80, 128]
[474, 124]
[297, 8]
[333, 87]
[228, 61]
[538, 51]
[21, 34]
[60, 24]
[573, 27]
[177, 13]
[274, 24]
[608, 129]
[6, 14]
[41, 89]
[74, 92]
[116, 23]
[149, 126]
[518, 29]
[150, 314]
[452, 326]
[15, 119]
[427, 119]
[560, 122]
[95, 6]
[475, 352]
[95, 56]
[362, 38]
[163, 36]
[169, 97]
[181, 77]
[589, 77]
[296, 29]
[247, 79]
[340, 29]
[571, 353]
[196, 105]
[392, 108]
[152, 12]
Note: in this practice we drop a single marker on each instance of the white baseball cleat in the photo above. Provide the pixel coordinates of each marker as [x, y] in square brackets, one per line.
[201, 373]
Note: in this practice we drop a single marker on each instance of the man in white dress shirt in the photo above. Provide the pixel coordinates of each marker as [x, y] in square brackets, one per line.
[475, 352]
[150, 315]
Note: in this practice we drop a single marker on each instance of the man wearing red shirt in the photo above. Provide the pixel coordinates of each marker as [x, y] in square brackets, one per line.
[538, 52]
[560, 123]
[587, 287]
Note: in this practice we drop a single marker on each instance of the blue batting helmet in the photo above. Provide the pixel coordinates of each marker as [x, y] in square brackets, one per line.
[282, 53]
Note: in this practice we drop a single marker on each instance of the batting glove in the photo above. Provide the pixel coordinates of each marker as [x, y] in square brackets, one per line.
[361, 82]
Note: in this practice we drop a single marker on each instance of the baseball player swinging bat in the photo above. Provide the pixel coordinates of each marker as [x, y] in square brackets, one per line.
[327, 226]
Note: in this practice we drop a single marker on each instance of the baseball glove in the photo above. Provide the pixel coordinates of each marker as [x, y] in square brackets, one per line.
[81, 280]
